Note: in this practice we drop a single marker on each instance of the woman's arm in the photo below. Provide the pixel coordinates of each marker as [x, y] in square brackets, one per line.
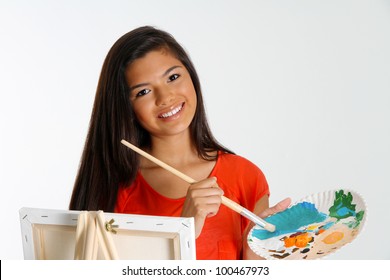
[263, 210]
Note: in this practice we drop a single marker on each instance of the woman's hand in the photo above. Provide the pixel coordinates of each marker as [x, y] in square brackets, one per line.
[203, 200]
[279, 207]
[265, 211]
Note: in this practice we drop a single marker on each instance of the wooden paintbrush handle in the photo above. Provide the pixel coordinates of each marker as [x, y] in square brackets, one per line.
[225, 201]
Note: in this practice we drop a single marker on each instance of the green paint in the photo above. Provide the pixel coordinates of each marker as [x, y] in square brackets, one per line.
[343, 208]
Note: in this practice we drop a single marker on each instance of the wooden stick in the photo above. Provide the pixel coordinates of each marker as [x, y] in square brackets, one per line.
[105, 239]
[225, 201]
[80, 236]
[91, 242]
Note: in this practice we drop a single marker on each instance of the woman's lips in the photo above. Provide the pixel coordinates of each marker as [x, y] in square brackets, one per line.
[172, 112]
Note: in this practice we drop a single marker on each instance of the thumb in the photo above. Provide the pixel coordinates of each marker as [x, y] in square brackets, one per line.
[279, 207]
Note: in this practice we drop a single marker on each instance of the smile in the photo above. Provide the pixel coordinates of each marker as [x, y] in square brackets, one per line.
[171, 113]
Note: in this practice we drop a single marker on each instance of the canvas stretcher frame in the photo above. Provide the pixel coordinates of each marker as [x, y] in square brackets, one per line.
[51, 234]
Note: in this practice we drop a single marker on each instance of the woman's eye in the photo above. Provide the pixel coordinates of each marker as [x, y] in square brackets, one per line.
[173, 77]
[142, 92]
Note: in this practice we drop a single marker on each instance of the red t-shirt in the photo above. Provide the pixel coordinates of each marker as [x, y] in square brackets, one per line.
[221, 236]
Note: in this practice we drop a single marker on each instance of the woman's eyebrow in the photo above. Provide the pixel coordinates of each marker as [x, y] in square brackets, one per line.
[138, 85]
[163, 75]
[170, 69]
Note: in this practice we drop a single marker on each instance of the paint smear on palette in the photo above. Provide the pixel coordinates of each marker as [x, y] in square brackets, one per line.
[290, 220]
[343, 208]
[304, 232]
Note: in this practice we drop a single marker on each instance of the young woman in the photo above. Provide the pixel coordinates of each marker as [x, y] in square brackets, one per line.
[149, 94]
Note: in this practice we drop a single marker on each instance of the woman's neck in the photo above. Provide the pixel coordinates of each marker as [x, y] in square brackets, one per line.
[174, 150]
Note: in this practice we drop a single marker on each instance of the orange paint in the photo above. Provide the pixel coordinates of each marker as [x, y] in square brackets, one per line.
[321, 230]
[302, 240]
[333, 237]
[289, 242]
[298, 240]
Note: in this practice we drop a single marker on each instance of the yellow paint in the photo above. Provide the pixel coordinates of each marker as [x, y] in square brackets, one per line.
[333, 237]
[312, 227]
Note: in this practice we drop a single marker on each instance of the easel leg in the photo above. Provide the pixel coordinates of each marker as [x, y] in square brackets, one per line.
[91, 233]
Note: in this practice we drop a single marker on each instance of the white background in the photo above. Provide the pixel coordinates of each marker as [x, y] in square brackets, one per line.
[300, 88]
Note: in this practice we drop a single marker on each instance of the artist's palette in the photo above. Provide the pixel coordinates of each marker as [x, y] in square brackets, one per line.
[311, 228]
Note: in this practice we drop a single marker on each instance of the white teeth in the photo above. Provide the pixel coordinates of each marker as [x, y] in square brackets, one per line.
[171, 113]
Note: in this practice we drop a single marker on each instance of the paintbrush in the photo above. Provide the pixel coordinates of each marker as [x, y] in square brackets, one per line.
[225, 201]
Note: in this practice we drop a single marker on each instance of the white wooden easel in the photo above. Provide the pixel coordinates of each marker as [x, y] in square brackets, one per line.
[93, 233]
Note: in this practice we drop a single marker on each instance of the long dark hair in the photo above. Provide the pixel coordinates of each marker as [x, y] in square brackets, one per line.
[106, 164]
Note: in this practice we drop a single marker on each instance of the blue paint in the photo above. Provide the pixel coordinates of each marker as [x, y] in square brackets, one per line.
[328, 225]
[345, 212]
[291, 219]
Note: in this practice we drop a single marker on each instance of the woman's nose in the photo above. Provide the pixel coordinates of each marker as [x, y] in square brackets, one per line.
[164, 96]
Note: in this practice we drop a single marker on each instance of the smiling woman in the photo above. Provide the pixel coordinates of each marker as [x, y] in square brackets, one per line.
[149, 94]
[162, 94]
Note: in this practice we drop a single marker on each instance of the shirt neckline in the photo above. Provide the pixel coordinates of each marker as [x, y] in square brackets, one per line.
[151, 189]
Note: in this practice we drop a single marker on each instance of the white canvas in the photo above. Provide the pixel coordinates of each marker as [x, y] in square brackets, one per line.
[51, 234]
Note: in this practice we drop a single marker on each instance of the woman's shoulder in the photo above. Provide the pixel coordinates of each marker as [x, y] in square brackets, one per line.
[235, 162]
[239, 177]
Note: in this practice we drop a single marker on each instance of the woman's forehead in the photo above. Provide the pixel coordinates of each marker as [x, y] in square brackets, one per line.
[154, 63]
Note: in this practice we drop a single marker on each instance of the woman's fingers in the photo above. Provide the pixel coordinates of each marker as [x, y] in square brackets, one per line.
[203, 200]
[206, 191]
[279, 207]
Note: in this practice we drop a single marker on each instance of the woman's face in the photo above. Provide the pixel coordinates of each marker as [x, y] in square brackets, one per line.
[162, 93]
